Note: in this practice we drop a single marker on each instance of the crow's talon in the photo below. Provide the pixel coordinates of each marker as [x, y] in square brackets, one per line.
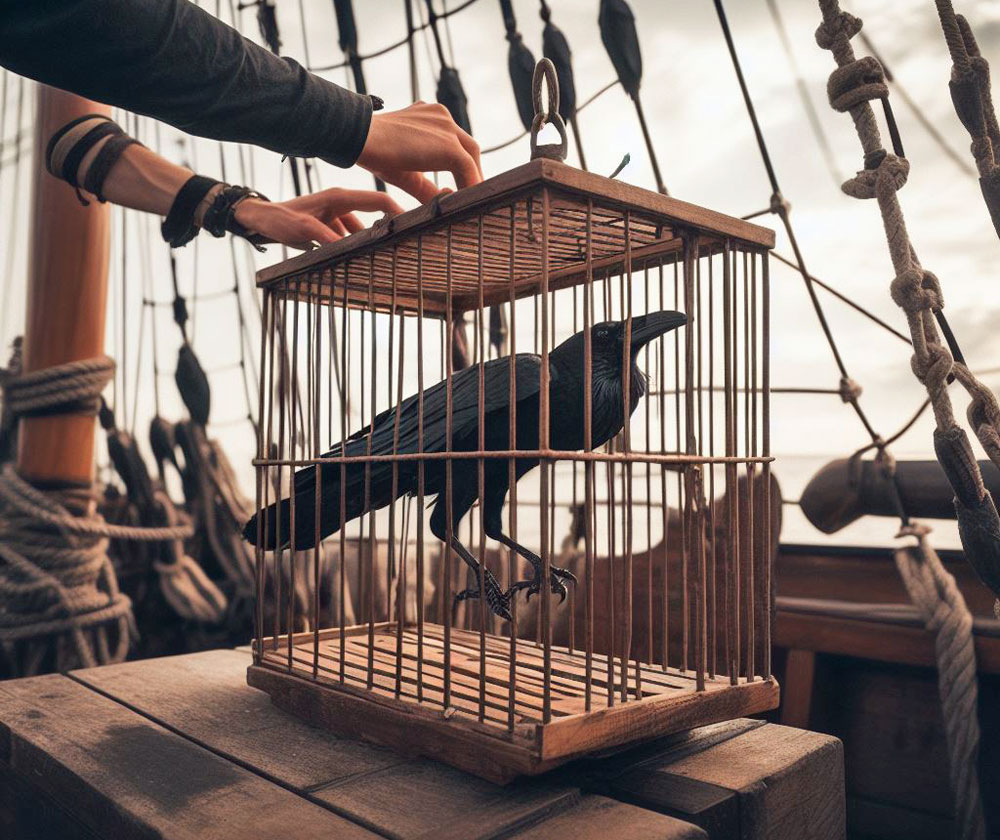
[496, 599]
[533, 587]
[563, 574]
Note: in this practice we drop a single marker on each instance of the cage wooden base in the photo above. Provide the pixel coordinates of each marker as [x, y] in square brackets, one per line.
[476, 737]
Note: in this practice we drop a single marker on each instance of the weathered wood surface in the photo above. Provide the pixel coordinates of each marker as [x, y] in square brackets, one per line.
[600, 818]
[182, 747]
[123, 776]
[762, 781]
[391, 715]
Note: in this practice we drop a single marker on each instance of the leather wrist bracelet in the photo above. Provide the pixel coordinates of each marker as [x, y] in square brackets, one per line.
[179, 227]
[220, 216]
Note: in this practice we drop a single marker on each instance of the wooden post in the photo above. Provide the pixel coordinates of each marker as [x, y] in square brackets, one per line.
[66, 300]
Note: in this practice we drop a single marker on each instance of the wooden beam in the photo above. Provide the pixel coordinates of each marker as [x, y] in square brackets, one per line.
[800, 676]
[874, 640]
[66, 301]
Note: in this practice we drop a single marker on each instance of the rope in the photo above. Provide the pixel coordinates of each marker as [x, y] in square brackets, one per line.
[183, 583]
[918, 293]
[17, 494]
[936, 596]
[60, 606]
[800, 85]
[970, 94]
[56, 581]
[53, 389]
[918, 112]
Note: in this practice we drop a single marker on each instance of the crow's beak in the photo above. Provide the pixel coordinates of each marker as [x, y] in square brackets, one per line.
[647, 327]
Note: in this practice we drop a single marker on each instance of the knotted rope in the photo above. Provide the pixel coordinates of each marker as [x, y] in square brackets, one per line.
[918, 293]
[60, 605]
[973, 101]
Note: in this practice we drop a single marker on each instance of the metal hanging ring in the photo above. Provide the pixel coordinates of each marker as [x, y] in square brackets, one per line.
[545, 70]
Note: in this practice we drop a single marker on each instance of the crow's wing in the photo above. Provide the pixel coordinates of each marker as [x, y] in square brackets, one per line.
[465, 411]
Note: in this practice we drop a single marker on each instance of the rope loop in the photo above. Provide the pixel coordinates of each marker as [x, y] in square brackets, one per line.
[840, 25]
[545, 71]
[916, 290]
[859, 81]
[891, 173]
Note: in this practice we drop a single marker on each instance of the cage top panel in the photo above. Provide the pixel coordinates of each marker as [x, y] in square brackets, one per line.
[489, 243]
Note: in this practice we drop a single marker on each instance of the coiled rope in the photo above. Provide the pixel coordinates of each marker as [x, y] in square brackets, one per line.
[60, 605]
[917, 292]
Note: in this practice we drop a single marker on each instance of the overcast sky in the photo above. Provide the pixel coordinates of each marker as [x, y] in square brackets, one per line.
[707, 156]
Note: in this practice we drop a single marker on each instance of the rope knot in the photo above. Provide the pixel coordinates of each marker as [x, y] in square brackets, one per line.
[916, 290]
[850, 390]
[984, 414]
[933, 369]
[779, 205]
[913, 529]
[841, 25]
[891, 173]
[885, 461]
[856, 82]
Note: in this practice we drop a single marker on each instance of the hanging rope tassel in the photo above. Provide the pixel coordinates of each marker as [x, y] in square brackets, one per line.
[184, 584]
[941, 606]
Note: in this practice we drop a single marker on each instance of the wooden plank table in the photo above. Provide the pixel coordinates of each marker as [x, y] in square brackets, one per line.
[181, 747]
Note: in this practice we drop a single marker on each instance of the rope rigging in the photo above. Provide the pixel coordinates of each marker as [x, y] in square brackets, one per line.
[803, 91]
[917, 111]
[450, 92]
[556, 49]
[618, 33]
[402, 42]
[520, 65]
[973, 101]
[348, 40]
[918, 293]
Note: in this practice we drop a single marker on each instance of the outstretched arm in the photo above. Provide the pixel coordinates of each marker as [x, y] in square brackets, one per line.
[97, 157]
[171, 60]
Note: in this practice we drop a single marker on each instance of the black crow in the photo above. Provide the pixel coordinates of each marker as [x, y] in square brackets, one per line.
[567, 384]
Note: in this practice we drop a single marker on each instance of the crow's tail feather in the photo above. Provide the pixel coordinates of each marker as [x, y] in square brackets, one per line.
[273, 524]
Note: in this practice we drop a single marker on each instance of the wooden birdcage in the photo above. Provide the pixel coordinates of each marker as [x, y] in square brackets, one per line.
[667, 625]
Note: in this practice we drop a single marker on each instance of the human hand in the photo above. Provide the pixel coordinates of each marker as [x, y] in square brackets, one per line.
[422, 137]
[320, 217]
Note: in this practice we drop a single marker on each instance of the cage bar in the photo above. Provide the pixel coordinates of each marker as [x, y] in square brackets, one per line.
[666, 624]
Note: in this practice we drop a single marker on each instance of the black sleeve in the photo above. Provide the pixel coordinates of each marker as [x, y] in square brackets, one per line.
[171, 60]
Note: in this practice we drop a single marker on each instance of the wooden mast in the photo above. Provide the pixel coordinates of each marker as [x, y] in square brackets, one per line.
[66, 300]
